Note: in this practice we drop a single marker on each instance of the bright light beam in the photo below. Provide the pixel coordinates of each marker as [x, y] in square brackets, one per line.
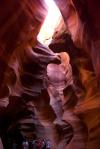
[52, 20]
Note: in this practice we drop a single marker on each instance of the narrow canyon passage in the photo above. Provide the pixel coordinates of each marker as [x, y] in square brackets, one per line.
[49, 74]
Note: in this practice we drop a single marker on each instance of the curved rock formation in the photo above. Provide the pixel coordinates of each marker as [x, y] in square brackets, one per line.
[54, 97]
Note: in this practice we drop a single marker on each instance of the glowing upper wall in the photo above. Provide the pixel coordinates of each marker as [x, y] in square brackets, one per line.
[52, 20]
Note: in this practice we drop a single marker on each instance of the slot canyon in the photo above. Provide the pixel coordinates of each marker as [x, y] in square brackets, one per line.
[49, 74]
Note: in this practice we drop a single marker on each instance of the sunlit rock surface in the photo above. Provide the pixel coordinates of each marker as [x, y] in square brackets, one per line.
[31, 107]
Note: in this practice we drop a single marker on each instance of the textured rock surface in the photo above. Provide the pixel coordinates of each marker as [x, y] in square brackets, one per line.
[45, 94]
